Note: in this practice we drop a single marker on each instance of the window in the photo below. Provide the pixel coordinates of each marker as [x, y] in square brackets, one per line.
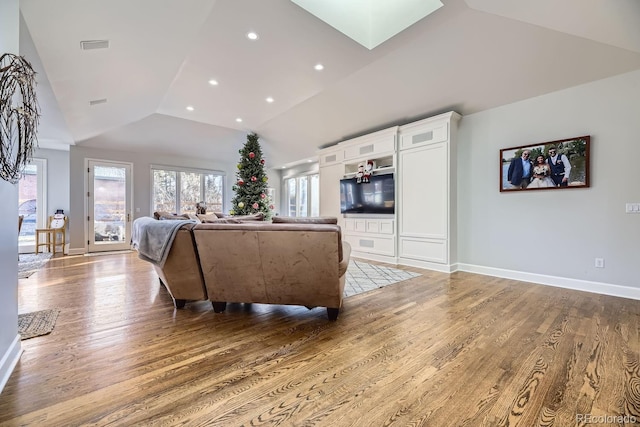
[178, 190]
[303, 195]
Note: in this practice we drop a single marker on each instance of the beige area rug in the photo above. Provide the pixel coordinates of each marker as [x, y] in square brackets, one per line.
[37, 323]
[363, 277]
[30, 263]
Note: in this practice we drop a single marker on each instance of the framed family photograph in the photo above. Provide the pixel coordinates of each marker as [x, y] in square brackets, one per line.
[553, 165]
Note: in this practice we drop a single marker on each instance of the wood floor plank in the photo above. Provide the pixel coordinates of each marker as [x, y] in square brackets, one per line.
[436, 350]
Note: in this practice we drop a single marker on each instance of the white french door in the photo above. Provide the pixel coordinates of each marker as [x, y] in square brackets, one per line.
[109, 199]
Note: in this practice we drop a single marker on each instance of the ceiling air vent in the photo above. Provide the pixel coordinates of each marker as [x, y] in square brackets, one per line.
[98, 101]
[94, 44]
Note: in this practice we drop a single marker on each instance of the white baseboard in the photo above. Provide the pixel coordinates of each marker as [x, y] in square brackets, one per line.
[76, 251]
[374, 257]
[560, 282]
[9, 361]
[443, 268]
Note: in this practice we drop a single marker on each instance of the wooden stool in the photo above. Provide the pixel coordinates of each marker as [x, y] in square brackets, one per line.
[55, 229]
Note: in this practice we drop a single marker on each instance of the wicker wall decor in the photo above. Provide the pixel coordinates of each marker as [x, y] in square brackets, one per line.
[19, 115]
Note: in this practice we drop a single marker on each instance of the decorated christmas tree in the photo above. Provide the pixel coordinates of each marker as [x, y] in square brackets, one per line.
[251, 181]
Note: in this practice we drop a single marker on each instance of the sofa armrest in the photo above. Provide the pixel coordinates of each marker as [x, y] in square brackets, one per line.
[344, 263]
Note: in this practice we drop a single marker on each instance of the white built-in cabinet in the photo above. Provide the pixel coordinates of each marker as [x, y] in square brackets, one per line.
[331, 171]
[422, 231]
[426, 193]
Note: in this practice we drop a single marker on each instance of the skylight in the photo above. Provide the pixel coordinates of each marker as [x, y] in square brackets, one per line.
[370, 22]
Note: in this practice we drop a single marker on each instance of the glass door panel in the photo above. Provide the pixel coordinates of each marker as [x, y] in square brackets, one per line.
[109, 209]
[31, 203]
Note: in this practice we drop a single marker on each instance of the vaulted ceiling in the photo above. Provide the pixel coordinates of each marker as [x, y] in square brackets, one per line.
[468, 56]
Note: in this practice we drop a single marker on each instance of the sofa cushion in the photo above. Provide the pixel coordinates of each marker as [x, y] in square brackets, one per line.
[305, 220]
[168, 215]
[254, 217]
[194, 217]
[221, 221]
[206, 217]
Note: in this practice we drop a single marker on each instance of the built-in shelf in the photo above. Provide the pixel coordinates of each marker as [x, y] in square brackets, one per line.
[377, 171]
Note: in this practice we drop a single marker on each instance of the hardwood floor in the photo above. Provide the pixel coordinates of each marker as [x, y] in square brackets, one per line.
[436, 350]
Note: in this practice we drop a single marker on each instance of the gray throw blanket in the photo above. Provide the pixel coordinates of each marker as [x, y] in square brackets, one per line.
[153, 238]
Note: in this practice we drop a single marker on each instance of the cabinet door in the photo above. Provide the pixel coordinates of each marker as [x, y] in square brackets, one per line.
[423, 188]
[331, 157]
[330, 191]
[423, 135]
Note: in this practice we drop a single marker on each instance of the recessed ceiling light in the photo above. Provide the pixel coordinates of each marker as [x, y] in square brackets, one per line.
[252, 36]
[319, 67]
[239, 120]
[213, 82]
[269, 100]
[190, 108]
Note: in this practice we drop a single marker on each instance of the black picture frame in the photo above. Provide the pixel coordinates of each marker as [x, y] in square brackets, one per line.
[571, 154]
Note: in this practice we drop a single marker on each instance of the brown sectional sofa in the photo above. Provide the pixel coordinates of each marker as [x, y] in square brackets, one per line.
[181, 273]
[291, 262]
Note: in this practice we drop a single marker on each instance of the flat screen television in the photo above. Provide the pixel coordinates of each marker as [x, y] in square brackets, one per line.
[374, 197]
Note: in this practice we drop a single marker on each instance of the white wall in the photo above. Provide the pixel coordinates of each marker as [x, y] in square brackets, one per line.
[536, 234]
[141, 182]
[10, 347]
[57, 178]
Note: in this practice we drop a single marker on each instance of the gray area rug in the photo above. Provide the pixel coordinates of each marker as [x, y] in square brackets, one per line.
[37, 323]
[30, 263]
[363, 277]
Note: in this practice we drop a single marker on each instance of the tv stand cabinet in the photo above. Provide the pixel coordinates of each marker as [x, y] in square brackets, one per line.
[370, 236]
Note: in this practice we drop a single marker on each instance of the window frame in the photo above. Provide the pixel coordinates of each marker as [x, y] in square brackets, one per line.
[309, 192]
[178, 170]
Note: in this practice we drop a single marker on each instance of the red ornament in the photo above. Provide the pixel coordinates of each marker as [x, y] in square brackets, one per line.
[241, 181]
[252, 155]
[271, 207]
[262, 195]
[255, 206]
[254, 179]
[262, 162]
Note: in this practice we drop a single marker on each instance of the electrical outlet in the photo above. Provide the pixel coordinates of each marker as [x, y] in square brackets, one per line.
[599, 262]
[632, 208]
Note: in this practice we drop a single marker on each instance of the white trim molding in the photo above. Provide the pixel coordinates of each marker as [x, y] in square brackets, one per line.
[9, 361]
[560, 282]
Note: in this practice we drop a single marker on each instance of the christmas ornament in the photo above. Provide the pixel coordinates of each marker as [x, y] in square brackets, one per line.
[272, 207]
[254, 179]
[232, 212]
[252, 155]
[241, 181]
[239, 165]
[265, 179]
[241, 205]
[262, 162]
[262, 195]
[254, 206]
